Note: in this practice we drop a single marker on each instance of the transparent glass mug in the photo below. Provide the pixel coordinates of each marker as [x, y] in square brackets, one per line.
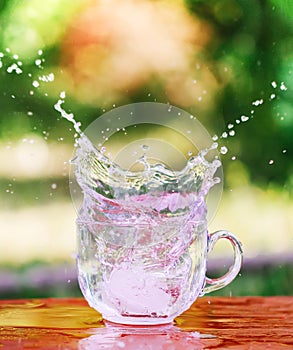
[148, 273]
[142, 225]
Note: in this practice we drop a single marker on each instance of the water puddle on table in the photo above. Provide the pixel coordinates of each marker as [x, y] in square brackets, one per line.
[114, 336]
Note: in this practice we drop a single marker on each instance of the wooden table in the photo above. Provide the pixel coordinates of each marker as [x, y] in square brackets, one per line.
[211, 323]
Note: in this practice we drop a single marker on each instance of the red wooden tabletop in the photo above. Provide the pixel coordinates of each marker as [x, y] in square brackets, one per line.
[211, 323]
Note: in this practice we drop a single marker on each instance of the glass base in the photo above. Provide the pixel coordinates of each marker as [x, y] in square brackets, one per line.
[137, 320]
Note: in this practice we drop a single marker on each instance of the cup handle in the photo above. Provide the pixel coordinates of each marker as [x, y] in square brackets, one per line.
[218, 283]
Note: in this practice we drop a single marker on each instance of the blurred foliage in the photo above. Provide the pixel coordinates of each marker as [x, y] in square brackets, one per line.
[249, 46]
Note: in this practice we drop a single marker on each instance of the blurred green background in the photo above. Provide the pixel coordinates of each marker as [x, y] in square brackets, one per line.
[228, 62]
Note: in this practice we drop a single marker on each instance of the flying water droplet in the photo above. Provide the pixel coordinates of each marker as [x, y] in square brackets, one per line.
[38, 62]
[14, 68]
[36, 83]
[223, 150]
[283, 87]
[244, 118]
[257, 102]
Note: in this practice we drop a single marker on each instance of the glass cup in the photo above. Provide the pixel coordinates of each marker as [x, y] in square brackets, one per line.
[142, 226]
[148, 273]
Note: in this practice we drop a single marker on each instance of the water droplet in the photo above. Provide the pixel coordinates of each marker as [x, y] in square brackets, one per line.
[244, 118]
[274, 84]
[62, 94]
[223, 150]
[233, 158]
[230, 126]
[272, 96]
[36, 83]
[271, 161]
[190, 153]
[257, 102]
[232, 132]
[38, 62]
[224, 135]
[237, 121]
[283, 87]
[145, 147]
[40, 52]
[284, 151]
[31, 93]
[47, 78]
[54, 186]
[14, 68]
[29, 113]
[215, 138]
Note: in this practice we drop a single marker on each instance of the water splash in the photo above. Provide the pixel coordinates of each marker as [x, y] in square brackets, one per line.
[230, 128]
[64, 114]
